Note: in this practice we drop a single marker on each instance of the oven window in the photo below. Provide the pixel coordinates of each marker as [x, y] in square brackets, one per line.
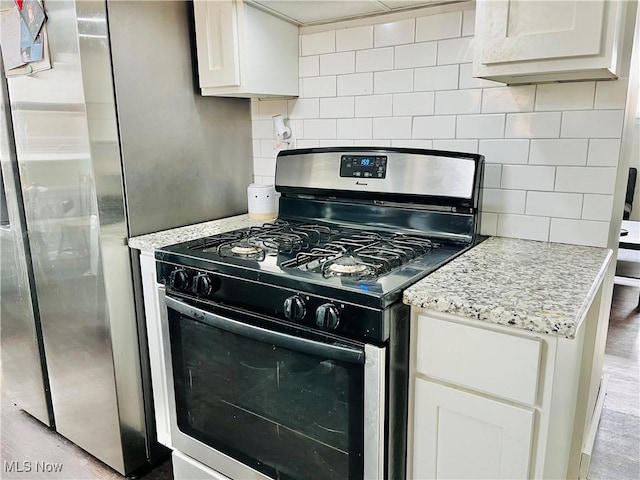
[287, 414]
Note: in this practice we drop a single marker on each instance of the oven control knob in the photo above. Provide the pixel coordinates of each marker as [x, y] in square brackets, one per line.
[294, 308]
[327, 316]
[205, 284]
[179, 279]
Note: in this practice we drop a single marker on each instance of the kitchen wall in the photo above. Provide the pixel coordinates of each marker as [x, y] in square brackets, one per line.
[551, 149]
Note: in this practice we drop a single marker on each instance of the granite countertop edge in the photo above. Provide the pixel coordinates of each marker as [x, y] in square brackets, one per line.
[152, 241]
[489, 283]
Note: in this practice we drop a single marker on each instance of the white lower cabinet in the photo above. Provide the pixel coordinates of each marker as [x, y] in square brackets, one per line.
[465, 436]
[154, 309]
[490, 401]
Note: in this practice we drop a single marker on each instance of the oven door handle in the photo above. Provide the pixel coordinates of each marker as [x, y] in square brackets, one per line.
[298, 344]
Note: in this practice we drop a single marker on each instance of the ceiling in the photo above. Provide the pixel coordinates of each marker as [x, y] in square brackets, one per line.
[314, 12]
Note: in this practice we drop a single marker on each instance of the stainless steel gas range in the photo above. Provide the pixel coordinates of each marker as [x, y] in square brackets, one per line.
[287, 353]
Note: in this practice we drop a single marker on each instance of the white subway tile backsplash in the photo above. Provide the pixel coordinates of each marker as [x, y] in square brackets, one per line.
[374, 60]
[592, 124]
[307, 143]
[269, 108]
[415, 55]
[458, 102]
[455, 50]
[586, 180]
[468, 81]
[437, 27]
[480, 126]
[523, 226]
[394, 81]
[337, 107]
[581, 232]
[597, 207]
[505, 151]
[533, 125]
[428, 144]
[603, 152]
[611, 94]
[436, 78]
[488, 224]
[565, 96]
[551, 150]
[356, 128]
[255, 108]
[320, 129]
[356, 38]
[434, 127]
[267, 148]
[420, 103]
[355, 84]
[304, 108]
[374, 106]
[394, 33]
[378, 143]
[319, 86]
[337, 63]
[335, 143]
[552, 204]
[297, 128]
[316, 43]
[525, 177]
[558, 152]
[468, 146]
[468, 22]
[309, 66]
[508, 99]
[503, 201]
[262, 129]
[392, 127]
[264, 166]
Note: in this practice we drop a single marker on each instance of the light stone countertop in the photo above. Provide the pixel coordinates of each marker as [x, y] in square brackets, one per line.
[153, 241]
[537, 286]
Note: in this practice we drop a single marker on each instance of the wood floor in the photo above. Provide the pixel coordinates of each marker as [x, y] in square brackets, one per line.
[616, 455]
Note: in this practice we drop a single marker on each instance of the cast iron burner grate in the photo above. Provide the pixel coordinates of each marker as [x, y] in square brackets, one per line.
[361, 255]
[270, 238]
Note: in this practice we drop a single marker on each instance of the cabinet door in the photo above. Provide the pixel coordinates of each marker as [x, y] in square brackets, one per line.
[217, 40]
[516, 31]
[460, 435]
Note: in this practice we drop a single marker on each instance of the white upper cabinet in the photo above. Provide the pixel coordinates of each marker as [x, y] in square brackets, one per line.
[244, 52]
[525, 41]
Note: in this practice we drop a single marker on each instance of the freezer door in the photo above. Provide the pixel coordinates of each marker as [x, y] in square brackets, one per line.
[24, 382]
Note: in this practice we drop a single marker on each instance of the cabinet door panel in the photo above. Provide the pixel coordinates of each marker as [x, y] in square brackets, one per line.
[517, 31]
[218, 43]
[464, 436]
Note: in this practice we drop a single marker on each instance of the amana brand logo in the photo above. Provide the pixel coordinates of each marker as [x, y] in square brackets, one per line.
[360, 183]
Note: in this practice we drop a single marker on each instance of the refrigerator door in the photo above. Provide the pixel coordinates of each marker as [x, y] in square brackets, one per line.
[24, 380]
[67, 148]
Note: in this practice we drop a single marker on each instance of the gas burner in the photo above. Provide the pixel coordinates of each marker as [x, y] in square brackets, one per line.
[245, 250]
[348, 266]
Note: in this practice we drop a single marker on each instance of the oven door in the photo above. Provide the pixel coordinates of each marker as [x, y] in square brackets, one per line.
[252, 397]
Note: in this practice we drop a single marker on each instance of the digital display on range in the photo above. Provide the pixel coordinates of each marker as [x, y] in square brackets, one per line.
[363, 166]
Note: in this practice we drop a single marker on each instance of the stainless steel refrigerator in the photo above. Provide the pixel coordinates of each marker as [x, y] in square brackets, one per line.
[113, 141]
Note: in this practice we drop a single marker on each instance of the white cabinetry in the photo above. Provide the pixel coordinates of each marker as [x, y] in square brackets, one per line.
[526, 41]
[462, 435]
[489, 401]
[243, 51]
[153, 310]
